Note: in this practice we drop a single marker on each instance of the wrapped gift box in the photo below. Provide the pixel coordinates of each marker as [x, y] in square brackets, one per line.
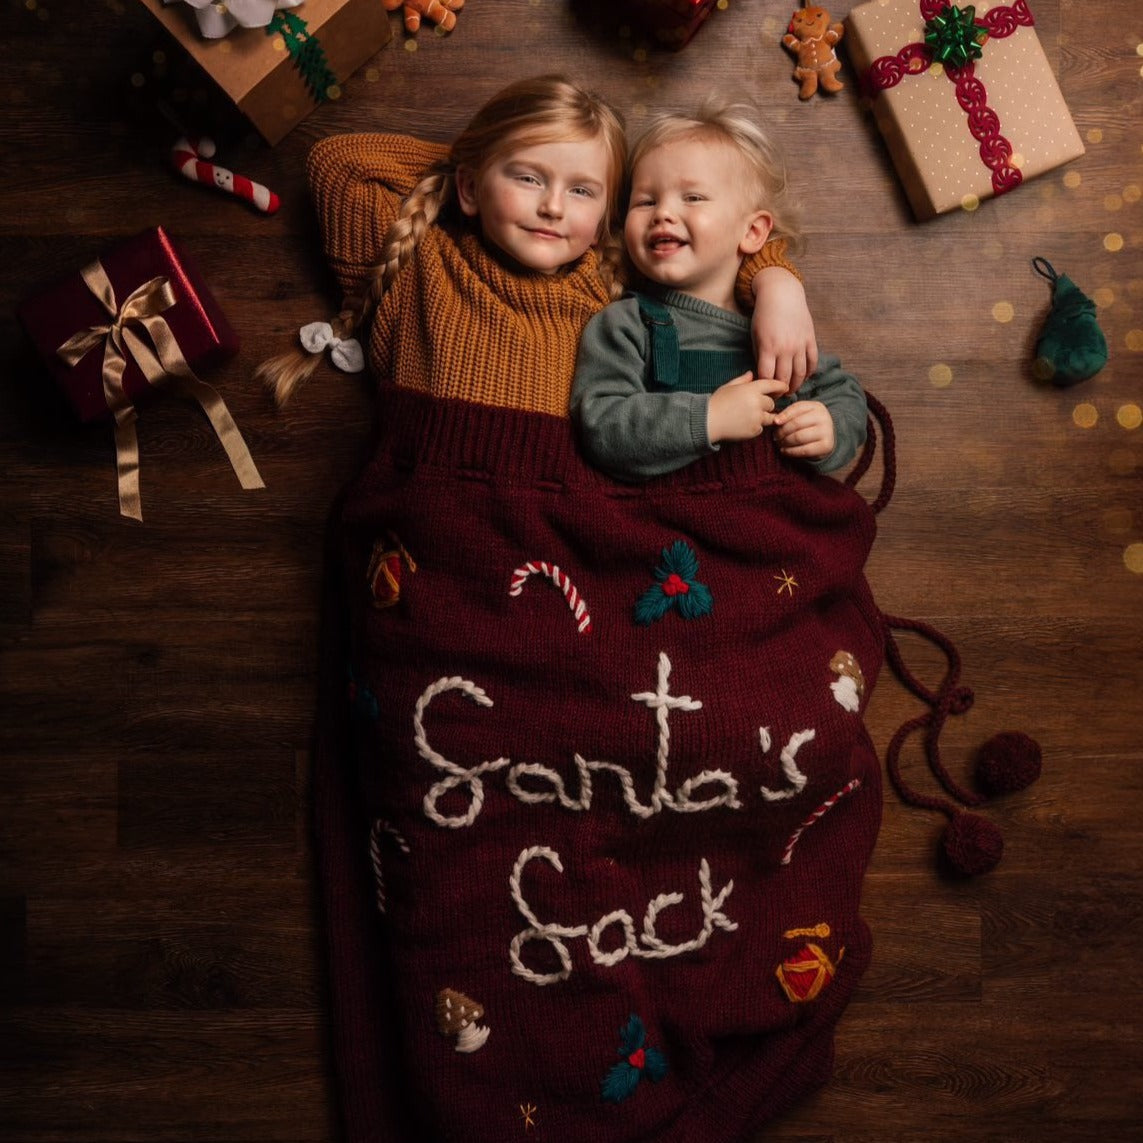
[137, 319]
[960, 131]
[277, 78]
[670, 22]
[52, 316]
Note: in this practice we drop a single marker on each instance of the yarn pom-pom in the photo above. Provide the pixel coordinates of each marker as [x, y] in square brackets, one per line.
[1008, 762]
[972, 844]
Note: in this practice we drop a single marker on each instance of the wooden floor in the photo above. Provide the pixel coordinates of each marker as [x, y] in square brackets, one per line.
[160, 972]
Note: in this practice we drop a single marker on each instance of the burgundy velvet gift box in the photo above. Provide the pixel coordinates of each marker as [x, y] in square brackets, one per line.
[671, 22]
[203, 335]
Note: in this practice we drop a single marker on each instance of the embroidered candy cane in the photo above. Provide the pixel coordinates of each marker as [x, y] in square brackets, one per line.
[380, 826]
[188, 157]
[562, 581]
[820, 812]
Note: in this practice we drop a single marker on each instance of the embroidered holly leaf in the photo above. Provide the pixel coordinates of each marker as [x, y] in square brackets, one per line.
[654, 1064]
[653, 604]
[696, 603]
[632, 1036]
[620, 1083]
[679, 558]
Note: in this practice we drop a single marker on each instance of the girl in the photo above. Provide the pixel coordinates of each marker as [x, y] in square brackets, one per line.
[558, 904]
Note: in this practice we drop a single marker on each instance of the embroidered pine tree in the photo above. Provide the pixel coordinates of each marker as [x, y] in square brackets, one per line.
[676, 586]
[636, 1062]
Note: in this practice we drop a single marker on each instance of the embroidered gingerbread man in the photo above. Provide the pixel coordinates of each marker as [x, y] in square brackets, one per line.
[811, 38]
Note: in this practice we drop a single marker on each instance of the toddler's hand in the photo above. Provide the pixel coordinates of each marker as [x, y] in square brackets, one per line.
[742, 408]
[805, 430]
[783, 328]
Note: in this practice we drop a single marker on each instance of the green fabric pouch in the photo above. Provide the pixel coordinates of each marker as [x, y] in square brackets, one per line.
[1071, 346]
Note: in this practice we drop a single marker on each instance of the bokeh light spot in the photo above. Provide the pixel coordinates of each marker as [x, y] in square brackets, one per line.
[1134, 340]
[1129, 416]
[1104, 296]
[941, 375]
[970, 202]
[1072, 179]
[1003, 312]
[1095, 135]
[1113, 242]
[1133, 558]
[1085, 416]
[1132, 192]
[1117, 521]
[1112, 202]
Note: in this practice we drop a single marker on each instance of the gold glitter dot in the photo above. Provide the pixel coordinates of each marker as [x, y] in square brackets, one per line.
[1134, 340]
[970, 202]
[138, 79]
[1112, 202]
[1104, 296]
[1017, 160]
[1121, 461]
[1129, 416]
[278, 44]
[410, 45]
[1132, 192]
[723, 5]
[1116, 521]
[225, 47]
[372, 75]
[1085, 416]
[1139, 49]
[639, 55]
[1095, 135]
[1003, 312]
[1113, 242]
[1072, 179]
[1133, 558]
[333, 91]
[941, 375]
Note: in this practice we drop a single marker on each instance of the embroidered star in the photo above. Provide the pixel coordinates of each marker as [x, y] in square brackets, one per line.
[527, 1110]
[788, 582]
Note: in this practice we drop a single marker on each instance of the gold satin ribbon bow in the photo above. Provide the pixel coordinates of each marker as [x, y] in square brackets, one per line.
[144, 308]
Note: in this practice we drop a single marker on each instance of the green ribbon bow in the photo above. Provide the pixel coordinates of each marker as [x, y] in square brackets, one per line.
[954, 36]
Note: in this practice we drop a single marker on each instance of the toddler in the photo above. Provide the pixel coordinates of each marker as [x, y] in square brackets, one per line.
[664, 376]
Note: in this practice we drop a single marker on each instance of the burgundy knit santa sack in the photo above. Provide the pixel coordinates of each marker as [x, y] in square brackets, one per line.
[592, 855]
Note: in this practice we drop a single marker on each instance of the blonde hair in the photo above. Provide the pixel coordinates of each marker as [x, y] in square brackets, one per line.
[737, 124]
[529, 112]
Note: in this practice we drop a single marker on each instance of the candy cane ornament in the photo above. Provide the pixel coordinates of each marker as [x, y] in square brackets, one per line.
[562, 581]
[820, 812]
[188, 157]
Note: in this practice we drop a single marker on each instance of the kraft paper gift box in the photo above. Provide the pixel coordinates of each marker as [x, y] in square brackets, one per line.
[278, 74]
[979, 124]
[136, 321]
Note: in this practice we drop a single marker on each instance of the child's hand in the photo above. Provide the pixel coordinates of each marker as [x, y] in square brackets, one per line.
[742, 408]
[783, 328]
[805, 430]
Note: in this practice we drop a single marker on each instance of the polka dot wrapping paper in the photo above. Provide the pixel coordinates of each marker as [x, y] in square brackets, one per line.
[964, 97]
[276, 75]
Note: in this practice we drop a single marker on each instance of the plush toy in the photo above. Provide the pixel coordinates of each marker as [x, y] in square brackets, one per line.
[441, 12]
[811, 39]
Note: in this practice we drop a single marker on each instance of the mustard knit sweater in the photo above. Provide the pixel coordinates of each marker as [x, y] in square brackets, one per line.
[456, 323]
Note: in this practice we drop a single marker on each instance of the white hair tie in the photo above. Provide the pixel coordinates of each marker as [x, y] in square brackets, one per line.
[344, 352]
